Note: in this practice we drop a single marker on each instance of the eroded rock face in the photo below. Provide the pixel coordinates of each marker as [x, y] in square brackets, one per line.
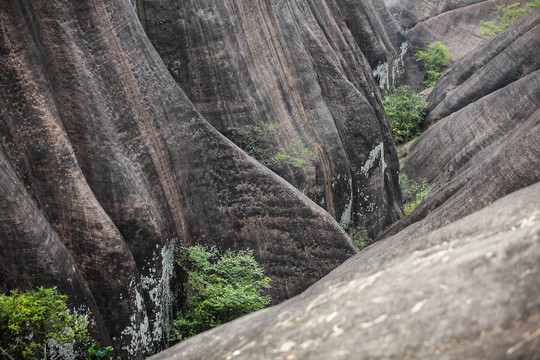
[455, 23]
[486, 144]
[107, 167]
[467, 290]
[306, 65]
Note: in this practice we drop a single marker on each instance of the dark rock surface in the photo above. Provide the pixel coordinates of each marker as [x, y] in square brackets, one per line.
[106, 167]
[469, 290]
[455, 23]
[306, 65]
[486, 144]
[499, 62]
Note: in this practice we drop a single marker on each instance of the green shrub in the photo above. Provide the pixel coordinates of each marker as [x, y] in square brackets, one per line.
[405, 110]
[218, 289]
[95, 353]
[435, 61]
[358, 235]
[507, 15]
[413, 192]
[259, 142]
[35, 323]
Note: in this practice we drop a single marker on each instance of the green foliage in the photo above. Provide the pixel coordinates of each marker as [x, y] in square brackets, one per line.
[405, 110]
[32, 323]
[358, 235]
[435, 62]
[95, 353]
[506, 16]
[259, 142]
[413, 192]
[218, 289]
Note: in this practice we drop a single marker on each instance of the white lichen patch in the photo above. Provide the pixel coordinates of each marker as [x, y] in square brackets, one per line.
[346, 217]
[154, 327]
[158, 287]
[138, 331]
[381, 73]
[398, 67]
[376, 153]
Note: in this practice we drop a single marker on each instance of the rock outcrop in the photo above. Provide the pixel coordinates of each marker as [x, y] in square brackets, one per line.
[107, 167]
[306, 65]
[469, 290]
[455, 23]
[486, 143]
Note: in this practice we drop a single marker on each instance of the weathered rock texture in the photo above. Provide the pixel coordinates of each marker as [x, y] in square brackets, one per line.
[306, 65]
[469, 290]
[455, 23]
[486, 144]
[106, 167]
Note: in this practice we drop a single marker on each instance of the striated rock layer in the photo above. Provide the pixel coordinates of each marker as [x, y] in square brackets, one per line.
[455, 23]
[485, 144]
[106, 168]
[306, 65]
[469, 290]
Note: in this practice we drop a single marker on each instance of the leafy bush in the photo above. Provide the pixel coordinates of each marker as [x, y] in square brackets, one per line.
[218, 289]
[435, 62]
[413, 192]
[95, 353]
[34, 323]
[358, 235]
[405, 110]
[507, 15]
[259, 142]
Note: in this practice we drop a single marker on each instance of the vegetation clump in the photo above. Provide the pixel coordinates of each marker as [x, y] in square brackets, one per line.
[258, 141]
[414, 192]
[405, 110]
[358, 235]
[435, 60]
[37, 324]
[218, 289]
[506, 16]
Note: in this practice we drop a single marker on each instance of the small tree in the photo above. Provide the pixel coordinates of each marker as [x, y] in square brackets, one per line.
[34, 323]
[435, 62]
[405, 110]
[218, 289]
[506, 16]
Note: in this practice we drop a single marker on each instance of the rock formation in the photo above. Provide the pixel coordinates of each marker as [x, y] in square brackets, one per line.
[466, 291]
[306, 65]
[107, 167]
[485, 144]
[455, 23]
[447, 285]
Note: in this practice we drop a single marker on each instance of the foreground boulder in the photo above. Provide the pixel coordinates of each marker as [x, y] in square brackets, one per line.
[307, 66]
[106, 168]
[468, 290]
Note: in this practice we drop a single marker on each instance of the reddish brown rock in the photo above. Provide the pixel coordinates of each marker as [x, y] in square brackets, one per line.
[308, 66]
[108, 168]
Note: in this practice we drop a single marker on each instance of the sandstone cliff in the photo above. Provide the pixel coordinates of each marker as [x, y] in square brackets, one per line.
[440, 284]
[455, 23]
[107, 167]
[306, 65]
